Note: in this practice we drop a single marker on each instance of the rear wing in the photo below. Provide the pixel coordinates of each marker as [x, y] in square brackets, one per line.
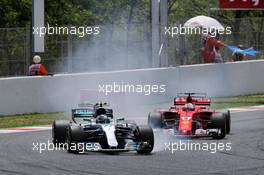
[90, 110]
[191, 94]
[90, 105]
[83, 113]
[197, 99]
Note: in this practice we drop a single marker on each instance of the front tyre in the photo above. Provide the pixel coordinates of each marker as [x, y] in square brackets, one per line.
[154, 120]
[219, 122]
[59, 128]
[228, 121]
[73, 137]
[145, 137]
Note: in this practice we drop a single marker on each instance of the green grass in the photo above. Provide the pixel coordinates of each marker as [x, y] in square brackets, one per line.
[31, 119]
[239, 101]
[47, 119]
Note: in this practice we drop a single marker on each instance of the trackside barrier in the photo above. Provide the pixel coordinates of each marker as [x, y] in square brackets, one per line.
[19, 95]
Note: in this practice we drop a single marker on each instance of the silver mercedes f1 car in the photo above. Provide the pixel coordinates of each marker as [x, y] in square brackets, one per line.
[93, 128]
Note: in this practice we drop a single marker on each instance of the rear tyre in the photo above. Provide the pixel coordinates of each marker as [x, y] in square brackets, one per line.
[228, 122]
[154, 120]
[59, 128]
[146, 138]
[219, 122]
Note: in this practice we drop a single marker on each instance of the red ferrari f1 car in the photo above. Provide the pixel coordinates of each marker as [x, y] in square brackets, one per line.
[191, 116]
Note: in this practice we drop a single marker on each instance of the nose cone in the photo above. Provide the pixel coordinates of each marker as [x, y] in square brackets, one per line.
[185, 124]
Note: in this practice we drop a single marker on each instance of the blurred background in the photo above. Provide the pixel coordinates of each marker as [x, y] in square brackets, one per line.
[125, 39]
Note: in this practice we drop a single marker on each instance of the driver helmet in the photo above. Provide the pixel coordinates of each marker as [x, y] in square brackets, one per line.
[36, 59]
[102, 119]
[189, 106]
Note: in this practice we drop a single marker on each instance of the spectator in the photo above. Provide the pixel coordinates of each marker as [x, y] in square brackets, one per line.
[238, 56]
[210, 50]
[37, 68]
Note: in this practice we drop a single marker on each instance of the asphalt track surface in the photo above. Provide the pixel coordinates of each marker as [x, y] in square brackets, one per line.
[246, 156]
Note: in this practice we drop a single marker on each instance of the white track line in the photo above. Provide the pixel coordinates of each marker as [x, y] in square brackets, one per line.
[25, 129]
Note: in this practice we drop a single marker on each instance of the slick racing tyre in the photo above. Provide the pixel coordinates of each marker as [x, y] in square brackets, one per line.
[228, 121]
[59, 128]
[219, 122]
[74, 136]
[146, 138]
[154, 120]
